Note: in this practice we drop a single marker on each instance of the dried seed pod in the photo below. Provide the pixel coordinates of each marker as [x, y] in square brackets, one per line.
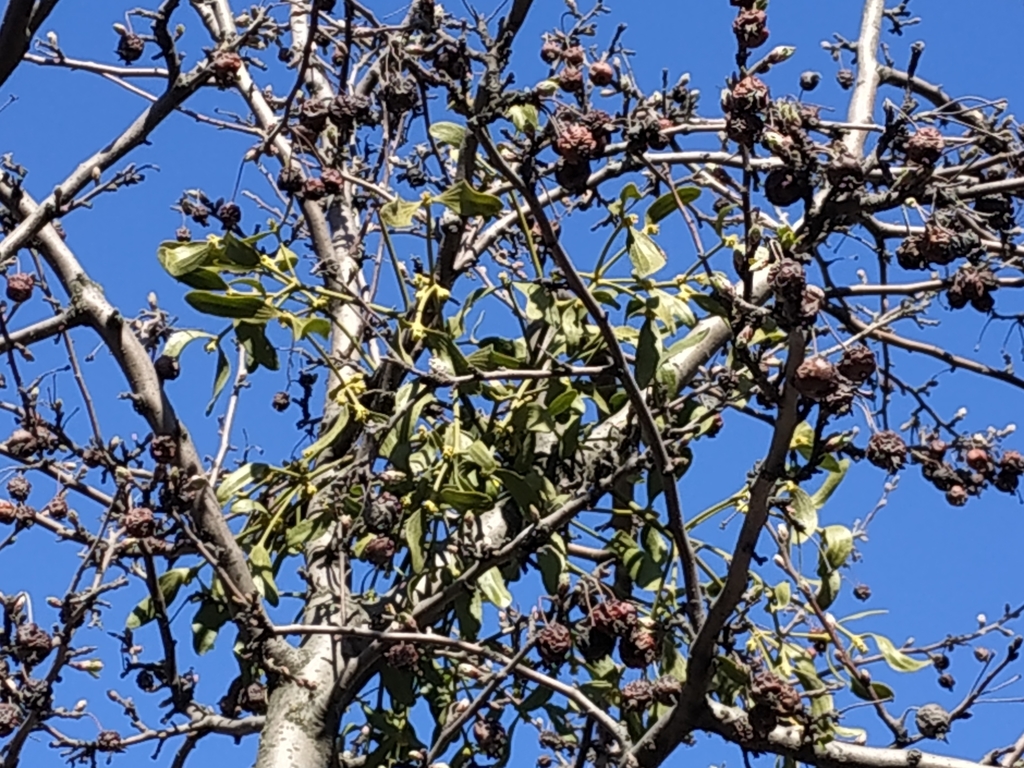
[332, 179]
[57, 507]
[32, 644]
[816, 378]
[1013, 462]
[225, 68]
[858, 363]
[957, 496]
[862, 592]
[109, 741]
[289, 180]
[130, 48]
[940, 661]
[146, 681]
[554, 643]
[139, 522]
[574, 55]
[573, 177]
[809, 81]
[8, 512]
[550, 51]
[19, 286]
[183, 234]
[946, 681]
[846, 78]
[751, 28]
[785, 186]
[932, 721]
[783, 698]
[593, 643]
[570, 80]
[313, 115]
[167, 368]
[452, 62]
[614, 617]
[886, 450]
[978, 459]
[748, 95]
[346, 109]
[19, 488]
[637, 696]
[640, 649]
[667, 690]
[253, 698]
[925, 146]
[787, 280]
[490, 736]
[229, 214]
[576, 143]
[403, 656]
[313, 189]
[163, 449]
[10, 719]
[281, 401]
[601, 74]
[380, 551]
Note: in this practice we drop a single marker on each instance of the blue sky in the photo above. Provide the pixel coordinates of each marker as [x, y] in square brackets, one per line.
[933, 567]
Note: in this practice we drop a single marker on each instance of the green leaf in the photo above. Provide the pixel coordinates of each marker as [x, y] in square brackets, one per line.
[414, 540]
[562, 403]
[253, 472]
[204, 279]
[882, 691]
[781, 595]
[263, 573]
[832, 482]
[469, 612]
[220, 379]
[181, 258]
[551, 563]
[463, 200]
[211, 616]
[524, 117]
[646, 255]
[666, 204]
[492, 587]
[838, 544]
[399, 212]
[327, 437]
[648, 353]
[525, 493]
[180, 339]
[233, 305]
[239, 253]
[465, 500]
[896, 658]
[259, 350]
[451, 134]
[803, 514]
[169, 584]
[304, 326]
[829, 590]
[482, 456]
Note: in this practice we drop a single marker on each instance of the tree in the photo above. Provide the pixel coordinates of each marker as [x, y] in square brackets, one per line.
[489, 417]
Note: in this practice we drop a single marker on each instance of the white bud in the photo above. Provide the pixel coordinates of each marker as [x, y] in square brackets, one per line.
[783, 533]
[779, 561]
[982, 620]
[462, 705]
[81, 705]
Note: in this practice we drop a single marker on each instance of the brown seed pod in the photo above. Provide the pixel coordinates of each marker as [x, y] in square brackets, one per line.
[550, 51]
[229, 214]
[932, 721]
[601, 74]
[751, 28]
[809, 81]
[253, 698]
[946, 681]
[346, 109]
[403, 656]
[8, 512]
[163, 449]
[886, 450]
[978, 459]
[614, 617]
[785, 187]
[313, 189]
[576, 143]
[816, 378]
[225, 68]
[490, 736]
[748, 95]
[146, 681]
[380, 551]
[281, 401]
[183, 234]
[139, 522]
[19, 488]
[19, 286]
[925, 146]
[640, 649]
[1013, 462]
[289, 180]
[846, 78]
[858, 363]
[167, 368]
[130, 48]
[10, 719]
[57, 507]
[574, 55]
[637, 696]
[593, 643]
[1006, 481]
[862, 592]
[553, 643]
[109, 741]
[957, 496]
[332, 179]
[788, 280]
[313, 115]
[32, 644]
[570, 80]
[573, 177]
[666, 690]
